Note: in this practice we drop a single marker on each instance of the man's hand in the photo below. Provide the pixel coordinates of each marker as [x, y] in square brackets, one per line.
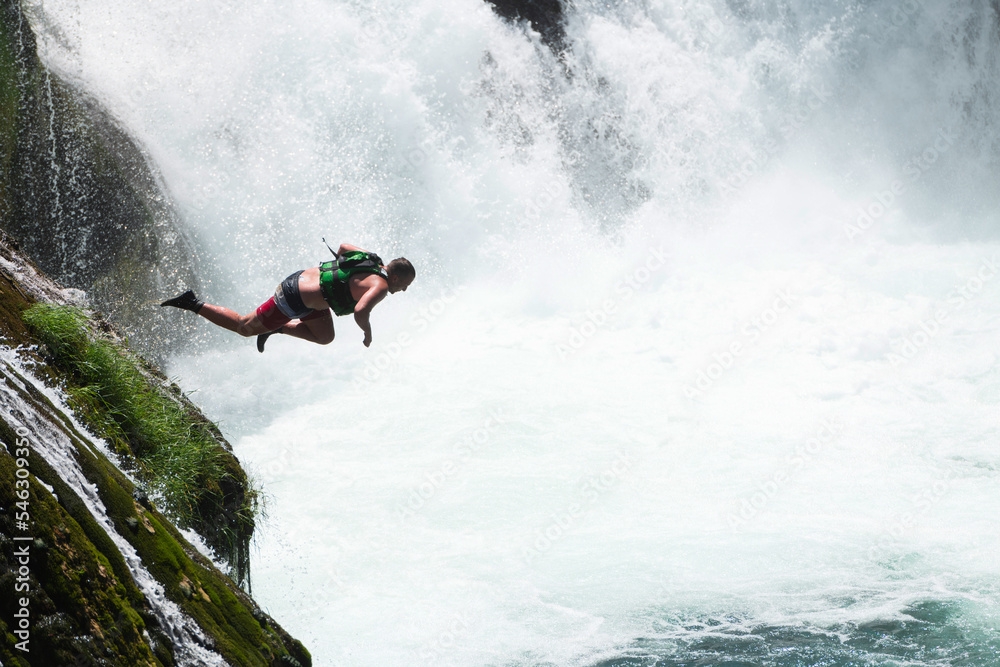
[376, 291]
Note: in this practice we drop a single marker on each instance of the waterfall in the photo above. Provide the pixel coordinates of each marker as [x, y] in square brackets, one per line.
[700, 360]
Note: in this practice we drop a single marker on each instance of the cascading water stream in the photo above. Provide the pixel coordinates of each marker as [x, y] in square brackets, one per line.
[188, 642]
[699, 363]
[53, 143]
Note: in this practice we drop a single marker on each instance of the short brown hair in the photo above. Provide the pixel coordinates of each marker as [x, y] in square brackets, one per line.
[401, 267]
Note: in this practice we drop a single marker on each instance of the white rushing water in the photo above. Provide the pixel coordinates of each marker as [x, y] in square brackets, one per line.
[702, 341]
[190, 646]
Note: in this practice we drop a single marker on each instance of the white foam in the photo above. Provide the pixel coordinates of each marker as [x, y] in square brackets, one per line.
[683, 254]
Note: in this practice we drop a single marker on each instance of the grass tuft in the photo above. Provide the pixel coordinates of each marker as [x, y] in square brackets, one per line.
[175, 456]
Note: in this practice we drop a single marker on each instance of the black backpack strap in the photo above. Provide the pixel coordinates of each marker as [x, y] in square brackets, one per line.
[335, 255]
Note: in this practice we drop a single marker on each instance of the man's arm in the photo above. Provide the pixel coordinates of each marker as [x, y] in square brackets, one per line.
[363, 310]
[346, 247]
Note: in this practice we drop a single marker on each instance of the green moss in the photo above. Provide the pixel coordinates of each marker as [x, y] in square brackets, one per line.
[105, 476]
[8, 114]
[242, 635]
[12, 304]
[73, 590]
[179, 458]
[9, 656]
[89, 610]
[90, 574]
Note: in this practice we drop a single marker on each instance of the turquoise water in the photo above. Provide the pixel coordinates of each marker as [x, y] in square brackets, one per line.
[700, 365]
[931, 633]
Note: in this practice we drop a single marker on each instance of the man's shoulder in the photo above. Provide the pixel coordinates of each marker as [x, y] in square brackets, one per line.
[370, 280]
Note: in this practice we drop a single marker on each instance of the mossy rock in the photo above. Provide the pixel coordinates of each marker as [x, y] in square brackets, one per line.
[83, 598]
[89, 610]
[110, 229]
[163, 439]
[86, 608]
[80, 606]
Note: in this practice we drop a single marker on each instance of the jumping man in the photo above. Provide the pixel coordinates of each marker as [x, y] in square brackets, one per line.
[352, 284]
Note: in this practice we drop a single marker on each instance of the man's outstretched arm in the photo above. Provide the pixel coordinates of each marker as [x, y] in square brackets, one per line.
[363, 310]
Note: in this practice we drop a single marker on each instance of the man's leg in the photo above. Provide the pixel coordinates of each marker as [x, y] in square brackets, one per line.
[317, 328]
[244, 325]
[264, 319]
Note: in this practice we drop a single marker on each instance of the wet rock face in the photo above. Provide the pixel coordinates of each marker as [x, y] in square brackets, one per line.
[544, 16]
[91, 571]
[79, 194]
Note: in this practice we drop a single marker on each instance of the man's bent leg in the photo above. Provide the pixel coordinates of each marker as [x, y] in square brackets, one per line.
[316, 328]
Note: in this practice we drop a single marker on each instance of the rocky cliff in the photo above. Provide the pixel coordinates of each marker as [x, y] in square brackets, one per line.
[81, 196]
[544, 16]
[108, 473]
[94, 572]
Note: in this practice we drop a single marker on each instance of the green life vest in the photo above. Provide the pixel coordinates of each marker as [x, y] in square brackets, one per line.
[334, 278]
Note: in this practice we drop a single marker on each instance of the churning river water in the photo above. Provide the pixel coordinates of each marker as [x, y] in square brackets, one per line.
[700, 365]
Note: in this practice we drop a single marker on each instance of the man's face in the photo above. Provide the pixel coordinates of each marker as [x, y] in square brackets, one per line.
[397, 284]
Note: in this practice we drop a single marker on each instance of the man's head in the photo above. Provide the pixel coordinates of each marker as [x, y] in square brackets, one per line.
[401, 273]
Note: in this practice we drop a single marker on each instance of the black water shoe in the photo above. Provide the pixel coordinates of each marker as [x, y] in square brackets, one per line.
[262, 338]
[186, 301]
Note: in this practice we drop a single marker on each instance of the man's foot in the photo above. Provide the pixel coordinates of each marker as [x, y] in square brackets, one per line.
[262, 338]
[186, 301]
